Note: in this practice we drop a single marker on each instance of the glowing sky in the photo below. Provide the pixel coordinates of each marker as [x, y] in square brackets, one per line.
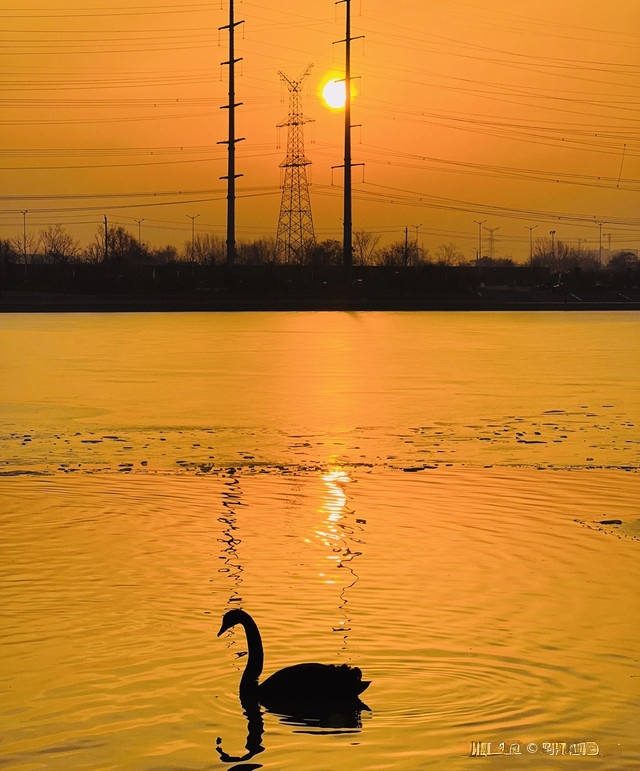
[521, 114]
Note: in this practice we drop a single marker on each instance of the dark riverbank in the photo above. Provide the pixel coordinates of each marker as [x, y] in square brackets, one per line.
[192, 287]
[48, 302]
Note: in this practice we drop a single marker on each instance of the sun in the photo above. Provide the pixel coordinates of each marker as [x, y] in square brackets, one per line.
[334, 94]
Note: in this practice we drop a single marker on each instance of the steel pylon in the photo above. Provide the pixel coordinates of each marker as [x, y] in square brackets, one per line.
[295, 237]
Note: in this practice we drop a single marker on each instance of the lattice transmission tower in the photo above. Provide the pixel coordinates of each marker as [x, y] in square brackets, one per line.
[295, 235]
[492, 241]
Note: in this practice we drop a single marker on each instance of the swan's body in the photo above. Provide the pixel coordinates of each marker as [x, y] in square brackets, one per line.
[300, 683]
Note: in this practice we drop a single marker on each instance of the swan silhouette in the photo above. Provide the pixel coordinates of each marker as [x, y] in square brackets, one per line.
[300, 684]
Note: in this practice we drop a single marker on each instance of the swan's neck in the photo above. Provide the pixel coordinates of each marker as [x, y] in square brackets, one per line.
[255, 658]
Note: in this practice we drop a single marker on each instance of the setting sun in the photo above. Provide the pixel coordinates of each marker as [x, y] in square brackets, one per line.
[334, 93]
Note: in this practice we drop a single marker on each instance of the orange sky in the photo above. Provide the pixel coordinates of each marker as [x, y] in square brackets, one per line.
[521, 117]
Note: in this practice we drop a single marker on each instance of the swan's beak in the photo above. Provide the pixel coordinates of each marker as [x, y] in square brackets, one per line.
[228, 620]
[223, 629]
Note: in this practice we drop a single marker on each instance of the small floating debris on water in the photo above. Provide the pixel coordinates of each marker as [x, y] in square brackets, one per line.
[619, 528]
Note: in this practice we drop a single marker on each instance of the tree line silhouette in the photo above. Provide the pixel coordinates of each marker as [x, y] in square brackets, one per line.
[118, 263]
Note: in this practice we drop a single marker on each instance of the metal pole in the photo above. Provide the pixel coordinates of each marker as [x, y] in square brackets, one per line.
[231, 141]
[600, 224]
[347, 233]
[406, 247]
[193, 218]
[479, 223]
[24, 234]
[139, 230]
[347, 223]
[531, 229]
[231, 166]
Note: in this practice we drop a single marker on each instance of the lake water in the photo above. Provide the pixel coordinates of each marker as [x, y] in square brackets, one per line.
[421, 495]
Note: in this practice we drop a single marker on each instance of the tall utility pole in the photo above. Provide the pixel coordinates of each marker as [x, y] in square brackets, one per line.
[347, 223]
[295, 225]
[231, 141]
[24, 234]
[479, 223]
[531, 228]
[193, 218]
[600, 224]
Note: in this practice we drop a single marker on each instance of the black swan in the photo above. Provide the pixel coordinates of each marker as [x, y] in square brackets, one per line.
[298, 684]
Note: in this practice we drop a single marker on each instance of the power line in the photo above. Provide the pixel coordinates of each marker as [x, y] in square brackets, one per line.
[139, 10]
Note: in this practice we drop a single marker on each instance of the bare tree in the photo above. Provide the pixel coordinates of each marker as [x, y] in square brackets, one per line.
[120, 247]
[256, 252]
[364, 247]
[8, 253]
[59, 246]
[206, 249]
[164, 254]
[561, 257]
[27, 247]
[623, 260]
[393, 255]
[327, 252]
[449, 254]
[93, 252]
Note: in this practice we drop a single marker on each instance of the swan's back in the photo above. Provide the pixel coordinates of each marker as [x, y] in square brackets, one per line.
[302, 682]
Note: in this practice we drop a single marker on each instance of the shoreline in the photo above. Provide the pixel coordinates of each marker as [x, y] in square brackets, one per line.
[45, 302]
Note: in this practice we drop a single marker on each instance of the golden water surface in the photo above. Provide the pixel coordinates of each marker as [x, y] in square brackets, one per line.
[419, 495]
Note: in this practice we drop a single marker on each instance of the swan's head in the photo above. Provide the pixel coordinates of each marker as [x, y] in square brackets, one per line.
[231, 618]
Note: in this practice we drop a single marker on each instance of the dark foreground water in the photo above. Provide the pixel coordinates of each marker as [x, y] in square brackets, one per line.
[420, 495]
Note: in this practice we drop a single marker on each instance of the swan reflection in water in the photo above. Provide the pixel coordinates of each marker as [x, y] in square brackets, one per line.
[321, 696]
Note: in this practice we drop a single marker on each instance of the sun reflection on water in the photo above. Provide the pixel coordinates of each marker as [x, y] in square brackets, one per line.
[330, 532]
[340, 532]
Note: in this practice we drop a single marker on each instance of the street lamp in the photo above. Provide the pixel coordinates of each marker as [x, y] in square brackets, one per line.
[193, 218]
[417, 227]
[24, 235]
[531, 228]
[600, 224]
[139, 232]
[479, 223]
